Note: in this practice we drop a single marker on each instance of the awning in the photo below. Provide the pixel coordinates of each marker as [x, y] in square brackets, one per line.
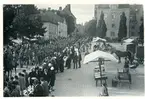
[99, 54]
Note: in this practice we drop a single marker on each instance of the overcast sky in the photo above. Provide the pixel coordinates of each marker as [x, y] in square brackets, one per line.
[83, 12]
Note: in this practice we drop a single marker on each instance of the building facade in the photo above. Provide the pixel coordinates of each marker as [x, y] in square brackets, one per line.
[112, 18]
[51, 30]
[112, 15]
[136, 13]
[62, 29]
[55, 25]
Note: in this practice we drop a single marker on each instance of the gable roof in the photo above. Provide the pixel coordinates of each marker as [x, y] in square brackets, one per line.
[103, 6]
[51, 17]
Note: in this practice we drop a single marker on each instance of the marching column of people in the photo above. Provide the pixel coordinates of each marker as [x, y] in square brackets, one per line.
[40, 81]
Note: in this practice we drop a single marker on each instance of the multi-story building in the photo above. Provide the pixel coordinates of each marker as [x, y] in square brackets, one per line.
[112, 18]
[136, 13]
[55, 25]
[62, 29]
[112, 15]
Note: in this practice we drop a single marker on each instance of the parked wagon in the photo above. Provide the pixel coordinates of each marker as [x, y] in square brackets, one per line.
[124, 77]
[140, 53]
[130, 47]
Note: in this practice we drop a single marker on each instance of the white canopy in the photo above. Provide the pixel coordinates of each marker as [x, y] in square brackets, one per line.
[98, 39]
[128, 40]
[99, 54]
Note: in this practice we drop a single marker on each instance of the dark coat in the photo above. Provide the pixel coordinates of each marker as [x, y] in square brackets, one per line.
[31, 74]
[52, 77]
[38, 90]
[45, 88]
[46, 77]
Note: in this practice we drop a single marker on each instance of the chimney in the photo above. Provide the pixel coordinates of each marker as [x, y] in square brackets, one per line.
[60, 8]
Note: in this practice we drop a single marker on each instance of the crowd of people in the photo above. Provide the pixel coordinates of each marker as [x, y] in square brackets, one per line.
[41, 79]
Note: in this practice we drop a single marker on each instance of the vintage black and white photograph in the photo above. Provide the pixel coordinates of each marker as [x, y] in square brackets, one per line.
[71, 50]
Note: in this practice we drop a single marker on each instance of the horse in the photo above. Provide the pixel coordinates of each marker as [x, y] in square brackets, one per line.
[120, 54]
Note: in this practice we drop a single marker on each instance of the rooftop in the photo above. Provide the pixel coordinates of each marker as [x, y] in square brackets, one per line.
[51, 17]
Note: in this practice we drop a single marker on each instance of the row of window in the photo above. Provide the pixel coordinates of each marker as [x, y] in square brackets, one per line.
[112, 16]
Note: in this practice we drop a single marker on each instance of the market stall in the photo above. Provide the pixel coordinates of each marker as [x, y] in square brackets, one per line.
[100, 57]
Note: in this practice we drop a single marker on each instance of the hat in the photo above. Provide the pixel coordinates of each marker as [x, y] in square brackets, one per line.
[52, 68]
[44, 63]
[49, 64]
[33, 78]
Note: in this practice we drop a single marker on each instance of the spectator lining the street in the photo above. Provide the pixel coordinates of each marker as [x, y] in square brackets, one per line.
[44, 85]
[38, 90]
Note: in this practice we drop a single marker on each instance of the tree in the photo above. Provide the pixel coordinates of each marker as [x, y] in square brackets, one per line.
[90, 27]
[122, 27]
[101, 27]
[21, 20]
[28, 22]
[70, 24]
[141, 32]
[9, 13]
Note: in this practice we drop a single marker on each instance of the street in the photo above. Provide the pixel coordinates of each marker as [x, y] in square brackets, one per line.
[44, 43]
[81, 82]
